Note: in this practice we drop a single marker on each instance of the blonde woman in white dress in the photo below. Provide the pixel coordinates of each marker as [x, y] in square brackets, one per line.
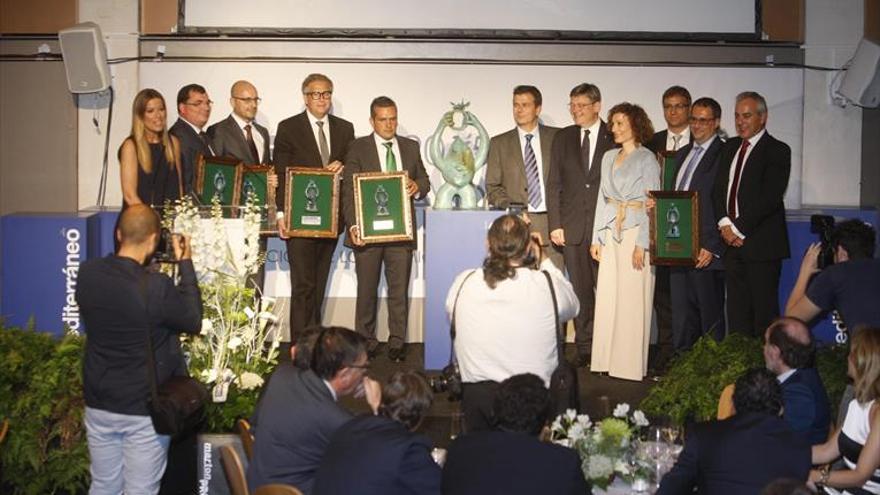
[625, 288]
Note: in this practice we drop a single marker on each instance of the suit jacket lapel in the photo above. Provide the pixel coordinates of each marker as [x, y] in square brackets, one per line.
[306, 134]
[546, 147]
[336, 144]
[238, 140]
[372, 158]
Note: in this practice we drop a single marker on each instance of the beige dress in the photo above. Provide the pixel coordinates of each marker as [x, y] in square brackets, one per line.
[624, 295]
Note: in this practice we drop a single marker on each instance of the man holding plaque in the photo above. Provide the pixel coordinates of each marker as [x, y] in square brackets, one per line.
[698, 292]
[749, 188]
[383, 151]
[239, 135]
[315, 139]
[194, 111]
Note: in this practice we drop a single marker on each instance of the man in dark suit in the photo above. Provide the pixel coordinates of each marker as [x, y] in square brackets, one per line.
[299, 411]
[519, 163]
[744, 453]
[381, 453]
[697, 293]
[676, 102]
[789, 353]
[511, 459]
[383, 151]
[316, 139]
[572, 188]
[235, 136]
[676, 112]
[194, 111]
[749, 188]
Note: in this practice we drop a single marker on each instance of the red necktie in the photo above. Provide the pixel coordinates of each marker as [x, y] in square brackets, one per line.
[731, 200]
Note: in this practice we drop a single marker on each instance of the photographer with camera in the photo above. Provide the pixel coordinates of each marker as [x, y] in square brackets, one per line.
[851, 285]
[504, 316]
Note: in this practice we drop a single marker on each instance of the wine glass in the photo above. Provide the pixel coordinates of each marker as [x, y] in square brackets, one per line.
[671, 434]
[455, 421]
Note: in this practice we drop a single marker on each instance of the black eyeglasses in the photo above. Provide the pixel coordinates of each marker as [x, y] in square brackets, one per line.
[319, 95]
[248, 100]
[199, 103]
[677, 106]
[700, 120]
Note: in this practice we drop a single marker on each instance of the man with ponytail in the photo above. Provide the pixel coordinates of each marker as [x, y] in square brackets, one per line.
[504, 316]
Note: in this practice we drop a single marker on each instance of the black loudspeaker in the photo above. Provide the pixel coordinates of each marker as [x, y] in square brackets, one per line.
[861, 82]
[85, 58]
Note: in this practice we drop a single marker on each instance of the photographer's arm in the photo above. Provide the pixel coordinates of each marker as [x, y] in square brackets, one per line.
[798, 304]
[182, 305]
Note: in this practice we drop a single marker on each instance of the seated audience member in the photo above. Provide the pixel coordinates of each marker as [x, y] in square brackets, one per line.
[745, 452]
[850, 286]
[504, 317]
[511, 459]
[858, 440]
[299, 415]
[789, 353]
[301, 359]
[381, 454]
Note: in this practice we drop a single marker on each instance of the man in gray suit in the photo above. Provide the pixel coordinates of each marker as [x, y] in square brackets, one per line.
[383, 151]
[572, 188]
[519, 162]
[299, 410]
[235, 135]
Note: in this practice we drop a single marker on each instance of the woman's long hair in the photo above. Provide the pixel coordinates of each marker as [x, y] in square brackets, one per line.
[138, 130]
[508, 245]
[865, 356]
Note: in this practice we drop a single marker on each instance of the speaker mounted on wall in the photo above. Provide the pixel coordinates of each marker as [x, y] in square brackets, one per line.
[85, 58]
[861, 82]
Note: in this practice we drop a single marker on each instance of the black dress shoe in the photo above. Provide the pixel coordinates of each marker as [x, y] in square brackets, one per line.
[582, 360]
[372, 348]
[397, 354]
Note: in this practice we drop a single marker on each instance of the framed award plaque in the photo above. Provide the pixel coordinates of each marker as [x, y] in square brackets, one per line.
[311, 206]
[255, 180]
[675, 228]
[218, 177]
[382, 206]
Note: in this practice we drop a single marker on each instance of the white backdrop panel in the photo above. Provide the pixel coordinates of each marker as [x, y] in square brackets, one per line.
[423, 92]
[702, 16]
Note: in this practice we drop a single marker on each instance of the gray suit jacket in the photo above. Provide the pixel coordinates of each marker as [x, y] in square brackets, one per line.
[227, 139]
[506, 180]
[363, 157]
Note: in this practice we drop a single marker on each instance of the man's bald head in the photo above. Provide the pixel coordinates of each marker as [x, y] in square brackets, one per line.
[793, 339]
[136, 224]
[241, 86]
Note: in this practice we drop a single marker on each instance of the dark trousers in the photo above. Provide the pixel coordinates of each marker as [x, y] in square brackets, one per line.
[181, 471]
[476, 405]
[397, 260]
[698, 305]
[310, 261]
[663, 308]
[582, 272]
[752, 292]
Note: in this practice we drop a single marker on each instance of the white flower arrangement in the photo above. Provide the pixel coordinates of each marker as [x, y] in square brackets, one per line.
[239, 339]
[605, 447]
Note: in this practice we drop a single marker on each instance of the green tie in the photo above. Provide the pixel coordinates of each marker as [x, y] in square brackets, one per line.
[390, 161]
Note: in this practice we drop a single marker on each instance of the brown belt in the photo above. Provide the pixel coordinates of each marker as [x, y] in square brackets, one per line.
[622, 206]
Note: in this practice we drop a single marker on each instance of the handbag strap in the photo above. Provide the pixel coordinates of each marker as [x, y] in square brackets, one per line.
[152, 374]
[560, 335]
[452, 325]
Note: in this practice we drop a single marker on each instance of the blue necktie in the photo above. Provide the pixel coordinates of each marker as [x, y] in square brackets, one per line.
[534, 181]
[689, 169]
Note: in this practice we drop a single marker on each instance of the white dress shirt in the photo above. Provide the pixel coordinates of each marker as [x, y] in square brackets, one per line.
[258, 137]
[510, 329]
[681, 170]
[536, 147]
[382, 151]
[315, 130]
[752, 142]
[683, 140]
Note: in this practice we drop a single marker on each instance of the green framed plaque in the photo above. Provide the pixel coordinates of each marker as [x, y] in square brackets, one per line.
[668, 170]
[675, 228]
[383, 208]
[255, 179]
[220, 177]
[311, 205]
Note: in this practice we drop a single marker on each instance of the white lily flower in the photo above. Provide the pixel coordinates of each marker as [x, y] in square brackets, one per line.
[640, 419]
[621, 410]
[234, 342]
[250, 381]
[207, 326]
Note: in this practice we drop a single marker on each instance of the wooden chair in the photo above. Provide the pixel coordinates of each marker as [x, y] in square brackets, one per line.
[4, 429]
[725, 403]
[277, 489]
[247, 438]
[234, 470]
